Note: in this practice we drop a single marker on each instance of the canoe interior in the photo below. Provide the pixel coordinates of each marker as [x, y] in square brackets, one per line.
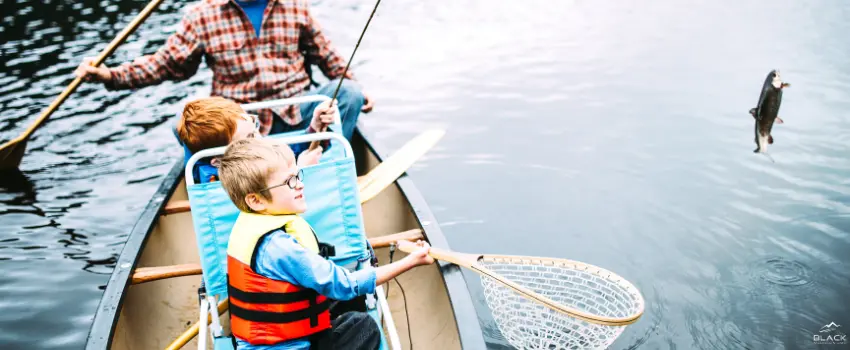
[155, 313]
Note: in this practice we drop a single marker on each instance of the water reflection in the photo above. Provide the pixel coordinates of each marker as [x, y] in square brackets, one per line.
[91, 164]
[16, 188]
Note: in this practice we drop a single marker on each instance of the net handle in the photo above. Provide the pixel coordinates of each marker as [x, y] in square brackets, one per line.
[470, 261]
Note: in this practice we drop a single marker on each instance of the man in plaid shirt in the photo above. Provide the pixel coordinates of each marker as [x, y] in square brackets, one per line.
[258, 50]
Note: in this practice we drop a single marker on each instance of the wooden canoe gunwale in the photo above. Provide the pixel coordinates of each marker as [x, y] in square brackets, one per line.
[106, 317]
[466, 317]
[109, 308]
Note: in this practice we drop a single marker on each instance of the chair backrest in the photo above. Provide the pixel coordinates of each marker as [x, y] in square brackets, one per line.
[333, 209]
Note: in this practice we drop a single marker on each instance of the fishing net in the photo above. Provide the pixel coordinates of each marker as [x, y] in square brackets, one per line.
[528, 324]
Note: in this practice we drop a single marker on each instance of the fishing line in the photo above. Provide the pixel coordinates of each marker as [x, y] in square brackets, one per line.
[403, 297]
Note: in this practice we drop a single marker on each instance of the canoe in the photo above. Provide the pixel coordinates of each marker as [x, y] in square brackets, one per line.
[151, 315]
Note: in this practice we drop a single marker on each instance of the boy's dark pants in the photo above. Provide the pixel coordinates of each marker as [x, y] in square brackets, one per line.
[352, 330]
[339, 307]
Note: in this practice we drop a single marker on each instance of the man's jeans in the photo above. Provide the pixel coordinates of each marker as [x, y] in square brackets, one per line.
[349, 100]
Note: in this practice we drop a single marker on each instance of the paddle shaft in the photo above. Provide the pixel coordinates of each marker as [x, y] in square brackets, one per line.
[190, 333]
[470, 261]
[74, 84]
[148, 274]
[315, 144]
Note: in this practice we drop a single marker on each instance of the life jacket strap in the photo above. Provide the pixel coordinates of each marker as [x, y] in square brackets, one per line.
[271, 298]
[312, 313]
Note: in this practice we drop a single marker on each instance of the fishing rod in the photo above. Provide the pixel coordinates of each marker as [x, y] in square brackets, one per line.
[315, 144]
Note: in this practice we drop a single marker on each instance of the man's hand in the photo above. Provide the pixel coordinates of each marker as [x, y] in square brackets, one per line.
[88, 73]
[308, 157]
[323, 115]
[420, 256]
[368, 103]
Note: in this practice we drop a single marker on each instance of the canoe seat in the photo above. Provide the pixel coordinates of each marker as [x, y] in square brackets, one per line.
[334, 212]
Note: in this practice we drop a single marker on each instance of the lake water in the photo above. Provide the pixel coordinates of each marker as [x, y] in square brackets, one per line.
[615, 134]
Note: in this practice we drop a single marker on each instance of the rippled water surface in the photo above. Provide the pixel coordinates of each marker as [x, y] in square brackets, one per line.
[612, 133]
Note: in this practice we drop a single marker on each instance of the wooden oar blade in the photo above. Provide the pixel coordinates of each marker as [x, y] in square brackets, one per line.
[390, 169]
[12, 153]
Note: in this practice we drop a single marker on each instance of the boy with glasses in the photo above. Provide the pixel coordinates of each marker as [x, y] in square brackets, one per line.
[279, 285]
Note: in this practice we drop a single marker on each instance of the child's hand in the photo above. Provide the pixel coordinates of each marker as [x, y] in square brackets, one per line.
[323, 115]
[415, 258]
[420, 256]
[308, 157]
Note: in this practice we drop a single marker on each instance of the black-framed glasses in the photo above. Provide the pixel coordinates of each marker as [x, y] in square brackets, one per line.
[291, 181]
[252, 118]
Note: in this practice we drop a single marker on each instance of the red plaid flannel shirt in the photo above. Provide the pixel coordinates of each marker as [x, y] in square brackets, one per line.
[245, 68]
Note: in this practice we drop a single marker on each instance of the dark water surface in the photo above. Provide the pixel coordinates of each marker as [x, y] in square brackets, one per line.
[612, 133]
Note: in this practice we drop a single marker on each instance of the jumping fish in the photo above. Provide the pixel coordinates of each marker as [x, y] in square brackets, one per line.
[767, 110]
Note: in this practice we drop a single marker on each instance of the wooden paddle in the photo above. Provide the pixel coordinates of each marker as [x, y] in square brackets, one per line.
[12, 152]
[190, 333]
[388, 171]
[315, 144]
[149, 274]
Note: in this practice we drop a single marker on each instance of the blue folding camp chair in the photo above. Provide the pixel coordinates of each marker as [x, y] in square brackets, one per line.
[334, 212]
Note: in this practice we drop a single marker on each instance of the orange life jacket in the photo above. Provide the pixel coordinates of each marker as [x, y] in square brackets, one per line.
[264, 311]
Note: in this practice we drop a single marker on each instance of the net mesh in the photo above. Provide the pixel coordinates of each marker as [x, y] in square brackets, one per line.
[527, 324]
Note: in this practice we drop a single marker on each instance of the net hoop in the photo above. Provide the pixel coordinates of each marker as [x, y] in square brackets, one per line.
[575, 305]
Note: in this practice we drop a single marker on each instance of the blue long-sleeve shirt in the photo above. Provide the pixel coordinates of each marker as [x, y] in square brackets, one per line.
[281, 257]
[254, 10]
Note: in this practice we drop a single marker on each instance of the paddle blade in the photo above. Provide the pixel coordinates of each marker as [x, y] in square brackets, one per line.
[11, 154]
[390, 169]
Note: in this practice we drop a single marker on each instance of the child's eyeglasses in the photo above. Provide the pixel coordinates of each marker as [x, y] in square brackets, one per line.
[291, 181]
[253, 118]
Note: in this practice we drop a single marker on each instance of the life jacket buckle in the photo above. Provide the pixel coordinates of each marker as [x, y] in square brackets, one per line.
[371, 302]
[326, 250]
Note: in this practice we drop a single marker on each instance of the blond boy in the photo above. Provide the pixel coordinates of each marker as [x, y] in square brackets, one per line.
[279, 285]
